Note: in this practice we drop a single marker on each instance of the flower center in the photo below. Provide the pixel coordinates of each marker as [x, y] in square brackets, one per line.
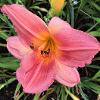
[47, 48]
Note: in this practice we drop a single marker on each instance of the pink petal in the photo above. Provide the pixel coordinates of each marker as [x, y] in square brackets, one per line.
[77, 47]
[17, 48]
[67, 75]
[56, 24]
[34, 75]
[28, 25]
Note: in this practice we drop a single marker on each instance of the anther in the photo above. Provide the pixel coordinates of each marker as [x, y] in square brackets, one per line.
[45, 53]
[32, 46]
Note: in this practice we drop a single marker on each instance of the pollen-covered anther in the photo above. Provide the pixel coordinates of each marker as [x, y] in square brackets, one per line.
[45, 53]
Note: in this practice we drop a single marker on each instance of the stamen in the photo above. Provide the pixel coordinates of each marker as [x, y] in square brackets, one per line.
[41, 51]
[32, 46]
[45, 53]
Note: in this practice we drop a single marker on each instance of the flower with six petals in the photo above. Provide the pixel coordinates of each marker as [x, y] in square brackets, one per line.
[47, 53]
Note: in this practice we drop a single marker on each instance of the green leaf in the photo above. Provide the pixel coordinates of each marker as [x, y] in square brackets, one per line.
[2, 85]
[36, 97]
[93, 66]
[3, 35]
[93, 86]
[97, 58]
[84, 96]
[9, 63]
[82, 4]
[96, 19]
[97, 75]
[95, 33]
[19, 96]
[38, 8]
[62, 93]
[93, 4]
[49, 91]
[17, 91]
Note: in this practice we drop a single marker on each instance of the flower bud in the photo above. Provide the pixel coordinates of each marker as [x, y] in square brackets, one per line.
[56, 7]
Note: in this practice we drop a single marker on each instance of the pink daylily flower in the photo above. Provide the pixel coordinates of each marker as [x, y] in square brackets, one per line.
[47, 53]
